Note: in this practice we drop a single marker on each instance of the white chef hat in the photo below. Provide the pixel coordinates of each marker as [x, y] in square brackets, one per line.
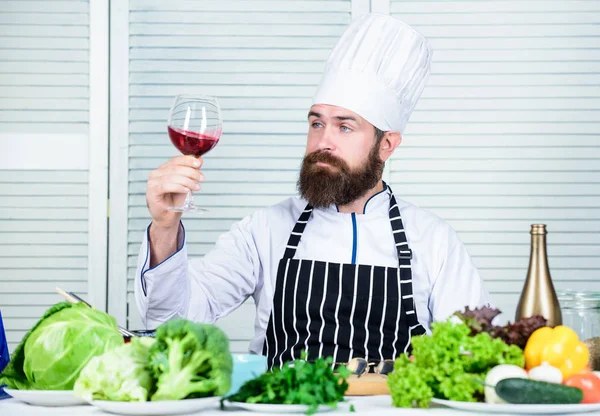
[378, 70]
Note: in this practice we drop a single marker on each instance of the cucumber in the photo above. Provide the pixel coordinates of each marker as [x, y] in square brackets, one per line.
[525, 391]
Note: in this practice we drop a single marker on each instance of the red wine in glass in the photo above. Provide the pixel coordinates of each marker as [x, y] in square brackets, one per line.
[192, 143]
[194, 127]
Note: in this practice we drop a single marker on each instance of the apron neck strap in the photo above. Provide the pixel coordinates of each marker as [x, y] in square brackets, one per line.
[402, 249]
[404, 252]
[294, 240]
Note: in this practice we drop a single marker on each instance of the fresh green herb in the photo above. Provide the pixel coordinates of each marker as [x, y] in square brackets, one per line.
[449, 364]
[299, 382]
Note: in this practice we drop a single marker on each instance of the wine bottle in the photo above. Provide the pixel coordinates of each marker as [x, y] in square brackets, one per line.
[538, 296]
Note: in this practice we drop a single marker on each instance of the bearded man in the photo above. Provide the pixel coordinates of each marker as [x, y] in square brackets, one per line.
[346, 269]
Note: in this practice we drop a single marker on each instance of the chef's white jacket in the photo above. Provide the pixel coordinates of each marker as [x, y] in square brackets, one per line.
[245, 260]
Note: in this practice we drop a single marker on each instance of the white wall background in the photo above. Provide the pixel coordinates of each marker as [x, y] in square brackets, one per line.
[506, 134]
[53, 156]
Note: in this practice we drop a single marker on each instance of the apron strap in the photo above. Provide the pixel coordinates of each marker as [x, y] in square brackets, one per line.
[402, 249]
[294, 240]
[404, 269]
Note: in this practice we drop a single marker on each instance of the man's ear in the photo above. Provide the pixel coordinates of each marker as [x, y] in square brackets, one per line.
[390, 141]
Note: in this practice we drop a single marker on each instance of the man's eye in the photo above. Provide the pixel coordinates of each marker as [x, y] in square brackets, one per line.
[316, 124]
[346, 129]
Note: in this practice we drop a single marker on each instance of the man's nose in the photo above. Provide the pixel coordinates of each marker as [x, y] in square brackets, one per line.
[326, 140]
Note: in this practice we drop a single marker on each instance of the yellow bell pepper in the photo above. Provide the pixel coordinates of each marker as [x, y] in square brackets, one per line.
[560, 347]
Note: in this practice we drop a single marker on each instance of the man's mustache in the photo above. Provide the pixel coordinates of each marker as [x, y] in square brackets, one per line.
[325, 157]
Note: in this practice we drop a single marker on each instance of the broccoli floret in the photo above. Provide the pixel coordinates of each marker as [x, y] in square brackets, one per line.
[190, 360]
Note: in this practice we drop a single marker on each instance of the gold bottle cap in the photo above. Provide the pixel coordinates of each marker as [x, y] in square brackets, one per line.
[538, 229]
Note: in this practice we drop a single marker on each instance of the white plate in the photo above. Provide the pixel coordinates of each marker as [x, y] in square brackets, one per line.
[167, 407]
[51, 398]
[526, 409]
[282, 408]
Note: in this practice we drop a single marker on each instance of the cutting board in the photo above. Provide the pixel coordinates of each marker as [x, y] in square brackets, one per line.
[371, 384]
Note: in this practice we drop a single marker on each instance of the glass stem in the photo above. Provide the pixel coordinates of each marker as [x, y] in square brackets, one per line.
[189, 199]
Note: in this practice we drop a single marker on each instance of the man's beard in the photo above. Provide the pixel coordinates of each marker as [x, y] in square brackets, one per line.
[337, 184]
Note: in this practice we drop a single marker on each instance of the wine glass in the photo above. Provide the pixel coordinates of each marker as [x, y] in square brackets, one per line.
[194, 127]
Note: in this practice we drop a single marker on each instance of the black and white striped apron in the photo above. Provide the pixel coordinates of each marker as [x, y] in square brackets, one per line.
[342, 310]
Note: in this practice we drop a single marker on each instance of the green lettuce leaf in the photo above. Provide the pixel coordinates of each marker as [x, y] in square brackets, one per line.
[119, 374]
[449, 364]
[412, 381]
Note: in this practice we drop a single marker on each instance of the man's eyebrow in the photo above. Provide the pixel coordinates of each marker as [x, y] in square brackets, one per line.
[344, 118]
[339, 118]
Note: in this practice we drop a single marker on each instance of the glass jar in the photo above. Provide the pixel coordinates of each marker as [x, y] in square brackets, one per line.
[581, 312]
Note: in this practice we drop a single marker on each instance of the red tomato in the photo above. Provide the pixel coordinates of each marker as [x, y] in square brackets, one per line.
[588, 383]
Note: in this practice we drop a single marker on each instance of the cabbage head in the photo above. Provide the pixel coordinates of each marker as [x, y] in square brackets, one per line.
[119, 374]
[55, 350]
